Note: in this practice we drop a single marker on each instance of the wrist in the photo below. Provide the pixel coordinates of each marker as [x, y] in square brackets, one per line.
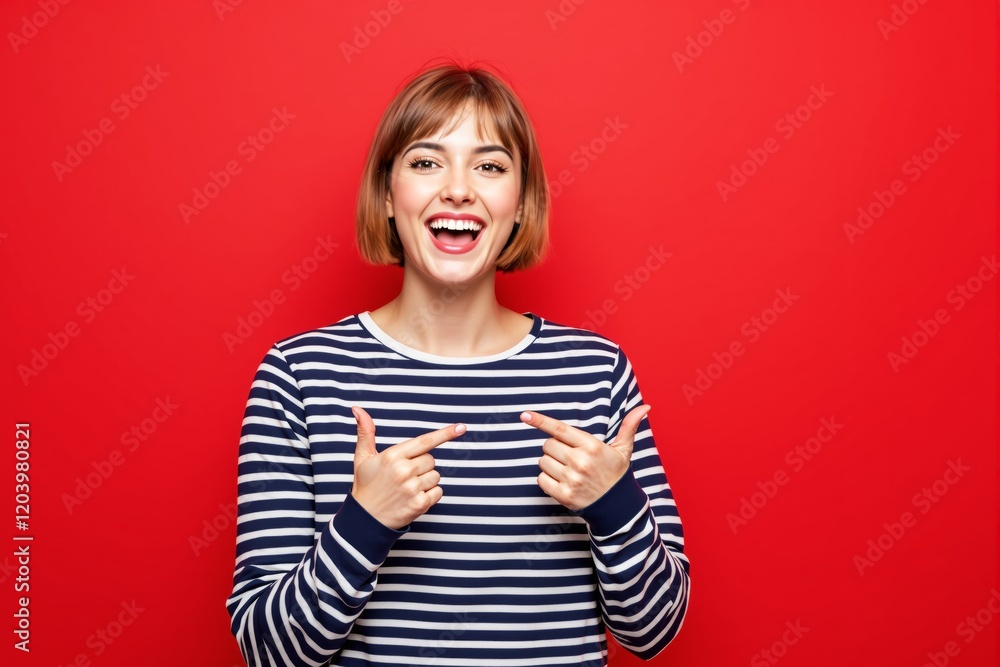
[363, 531]
[611, 512]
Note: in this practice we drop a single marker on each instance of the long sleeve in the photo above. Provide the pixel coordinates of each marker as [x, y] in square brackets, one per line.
[296, 593]
[636, 538]
[497, 572]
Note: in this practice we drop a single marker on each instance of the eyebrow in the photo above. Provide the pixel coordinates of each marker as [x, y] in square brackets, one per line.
[489, 148]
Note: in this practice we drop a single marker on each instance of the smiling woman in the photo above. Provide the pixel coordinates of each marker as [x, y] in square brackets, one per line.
[494, 140]
[442, 480]
[479, 183]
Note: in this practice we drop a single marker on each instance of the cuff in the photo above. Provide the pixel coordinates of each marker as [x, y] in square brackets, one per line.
[616, 508]
[368, 535]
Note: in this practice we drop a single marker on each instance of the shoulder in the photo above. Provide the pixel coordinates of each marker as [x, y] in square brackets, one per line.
[344, 335]
[565, 337]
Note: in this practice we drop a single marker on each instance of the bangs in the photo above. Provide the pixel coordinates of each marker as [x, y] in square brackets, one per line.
[445, 107]
[437, 119]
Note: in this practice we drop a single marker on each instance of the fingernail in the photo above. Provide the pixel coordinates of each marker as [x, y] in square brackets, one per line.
[525, 416]
[354, 412]
[460, 428]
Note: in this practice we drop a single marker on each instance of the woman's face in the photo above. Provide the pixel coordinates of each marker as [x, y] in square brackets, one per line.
[474, 180]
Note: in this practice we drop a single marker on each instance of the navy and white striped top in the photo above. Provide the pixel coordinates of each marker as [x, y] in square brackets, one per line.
[497, 572]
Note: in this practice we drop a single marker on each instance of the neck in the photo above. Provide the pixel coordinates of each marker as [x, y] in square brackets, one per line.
[463, 320]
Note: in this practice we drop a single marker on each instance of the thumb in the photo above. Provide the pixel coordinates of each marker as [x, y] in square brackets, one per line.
[366, 437]
[626, 432]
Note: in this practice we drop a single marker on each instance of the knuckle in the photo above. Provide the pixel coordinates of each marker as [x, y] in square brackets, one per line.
[403, 474]
[423, 502]
[582, 464]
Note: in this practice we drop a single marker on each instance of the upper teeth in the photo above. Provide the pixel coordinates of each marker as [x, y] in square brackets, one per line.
[441, 223]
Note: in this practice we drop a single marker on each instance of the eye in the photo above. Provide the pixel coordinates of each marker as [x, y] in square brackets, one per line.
[494, 167]
[420, 164]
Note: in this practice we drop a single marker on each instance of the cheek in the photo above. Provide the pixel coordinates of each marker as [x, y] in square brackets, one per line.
[411, 197]
[502, 200]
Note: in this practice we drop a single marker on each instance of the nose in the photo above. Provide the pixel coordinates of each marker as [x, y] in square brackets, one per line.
[457, 189]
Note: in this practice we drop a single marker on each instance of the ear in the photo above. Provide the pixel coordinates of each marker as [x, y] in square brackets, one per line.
[388, 205]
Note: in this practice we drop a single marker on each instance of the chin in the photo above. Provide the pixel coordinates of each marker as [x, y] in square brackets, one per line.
[456, 277]
[452, 279]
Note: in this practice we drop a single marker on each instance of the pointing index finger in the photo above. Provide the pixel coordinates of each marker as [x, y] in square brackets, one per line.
[557, 429]
[422, 444]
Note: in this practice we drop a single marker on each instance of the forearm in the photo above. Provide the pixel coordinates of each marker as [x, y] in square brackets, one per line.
[302, 616]
[643, 581]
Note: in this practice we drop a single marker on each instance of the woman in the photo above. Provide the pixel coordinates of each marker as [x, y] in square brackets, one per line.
[444, 481]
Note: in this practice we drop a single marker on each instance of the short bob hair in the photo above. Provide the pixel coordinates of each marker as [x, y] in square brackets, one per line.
[428, 101]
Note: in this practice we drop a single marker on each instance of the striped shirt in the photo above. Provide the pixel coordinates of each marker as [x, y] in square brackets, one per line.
[497, 572]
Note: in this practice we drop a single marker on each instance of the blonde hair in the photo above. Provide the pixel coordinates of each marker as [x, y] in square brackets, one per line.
[422, 108]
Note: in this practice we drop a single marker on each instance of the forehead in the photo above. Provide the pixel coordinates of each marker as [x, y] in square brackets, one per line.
[447, 121]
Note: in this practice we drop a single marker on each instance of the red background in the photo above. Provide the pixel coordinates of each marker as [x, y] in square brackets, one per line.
[682, 128]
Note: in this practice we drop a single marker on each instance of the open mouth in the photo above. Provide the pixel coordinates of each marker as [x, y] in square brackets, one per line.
[455, 233]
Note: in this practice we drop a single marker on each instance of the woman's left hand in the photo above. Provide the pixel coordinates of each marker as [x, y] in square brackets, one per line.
[577, 468]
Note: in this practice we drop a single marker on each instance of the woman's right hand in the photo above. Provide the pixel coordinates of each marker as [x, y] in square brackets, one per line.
[400, 484]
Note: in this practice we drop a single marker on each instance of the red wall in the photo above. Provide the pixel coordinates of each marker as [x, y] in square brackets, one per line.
[824, 387]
